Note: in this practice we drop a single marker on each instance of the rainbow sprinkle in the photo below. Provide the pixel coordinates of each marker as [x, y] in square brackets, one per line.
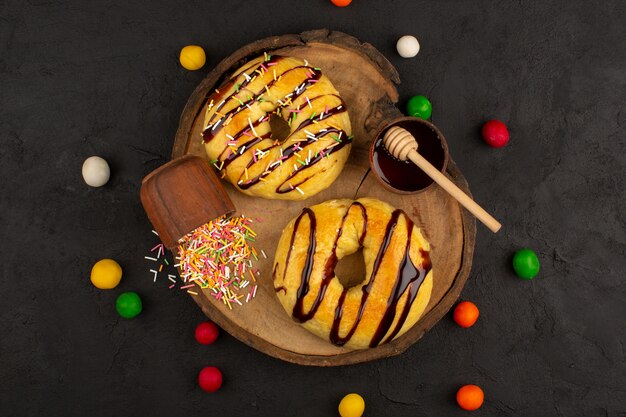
[218, 256]
[157, 255]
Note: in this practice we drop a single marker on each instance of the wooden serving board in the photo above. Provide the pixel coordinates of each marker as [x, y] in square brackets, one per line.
[367, 83]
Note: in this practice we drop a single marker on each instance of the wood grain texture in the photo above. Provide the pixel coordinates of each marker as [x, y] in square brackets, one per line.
[367, 83]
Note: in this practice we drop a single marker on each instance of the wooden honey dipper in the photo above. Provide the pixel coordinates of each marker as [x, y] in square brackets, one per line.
[402, 145]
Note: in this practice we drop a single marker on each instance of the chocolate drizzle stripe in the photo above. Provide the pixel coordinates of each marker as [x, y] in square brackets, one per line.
[289, 151]
[248, 145]
[331, 112]
[303, 290]
[222, 99]
[279, 288]
[414, 286]
[409, 279]
[246, 129]
[329, 266]
[247, 80]
[334, 331]
[211, 130]
[331, 262]
[316, 159]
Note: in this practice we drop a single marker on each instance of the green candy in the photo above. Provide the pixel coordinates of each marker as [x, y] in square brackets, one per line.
[128, 305]
[526, 263]
[419, 106]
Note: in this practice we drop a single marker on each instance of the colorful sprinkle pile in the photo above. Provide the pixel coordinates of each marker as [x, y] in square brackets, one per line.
[218, 256]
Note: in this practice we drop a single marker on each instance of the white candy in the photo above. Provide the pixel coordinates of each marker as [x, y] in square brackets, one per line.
[408, 46]
[96, 171]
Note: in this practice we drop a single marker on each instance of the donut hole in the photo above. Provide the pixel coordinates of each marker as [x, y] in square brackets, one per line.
[280, 128]
[350, 270]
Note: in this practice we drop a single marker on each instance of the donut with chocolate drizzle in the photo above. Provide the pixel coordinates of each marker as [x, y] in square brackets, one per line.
[398, 279]
[240, 141]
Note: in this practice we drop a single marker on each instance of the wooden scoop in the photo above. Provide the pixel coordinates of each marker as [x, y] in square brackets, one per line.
[402, 145]
[182, 195]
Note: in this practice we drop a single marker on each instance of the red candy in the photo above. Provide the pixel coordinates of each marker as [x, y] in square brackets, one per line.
[495, 133]
[206, 333]
[210, 379]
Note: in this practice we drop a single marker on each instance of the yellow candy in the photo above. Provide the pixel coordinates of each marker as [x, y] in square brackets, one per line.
[192, 57]
[352, 405]
[106, 274]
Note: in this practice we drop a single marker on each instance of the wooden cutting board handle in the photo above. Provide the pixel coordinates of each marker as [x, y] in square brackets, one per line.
[182, 195]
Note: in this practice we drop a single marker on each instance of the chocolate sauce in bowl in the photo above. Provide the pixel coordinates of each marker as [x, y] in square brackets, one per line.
[405, 175]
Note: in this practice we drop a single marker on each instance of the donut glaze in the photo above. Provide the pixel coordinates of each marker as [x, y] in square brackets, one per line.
[238, 134]
[398, 279]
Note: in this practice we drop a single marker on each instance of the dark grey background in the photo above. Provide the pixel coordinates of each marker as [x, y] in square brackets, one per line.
[81, 78]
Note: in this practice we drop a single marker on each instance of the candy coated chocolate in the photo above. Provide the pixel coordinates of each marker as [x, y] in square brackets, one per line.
[341, 3]
[207, 333]
[526, 263]
[192, 57]
[96, 171]
[465, 314]
[210, 379]
[128, 305]
[352, 405]
[408, 46]
[419, 106]
[106, 274]
[470, 397]
[495, 133]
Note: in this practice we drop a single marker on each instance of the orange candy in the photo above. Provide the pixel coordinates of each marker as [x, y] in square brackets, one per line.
[465, 314]
[341, 3]
[470, 397]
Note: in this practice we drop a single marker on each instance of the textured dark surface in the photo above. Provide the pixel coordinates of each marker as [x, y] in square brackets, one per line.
[83, 78]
